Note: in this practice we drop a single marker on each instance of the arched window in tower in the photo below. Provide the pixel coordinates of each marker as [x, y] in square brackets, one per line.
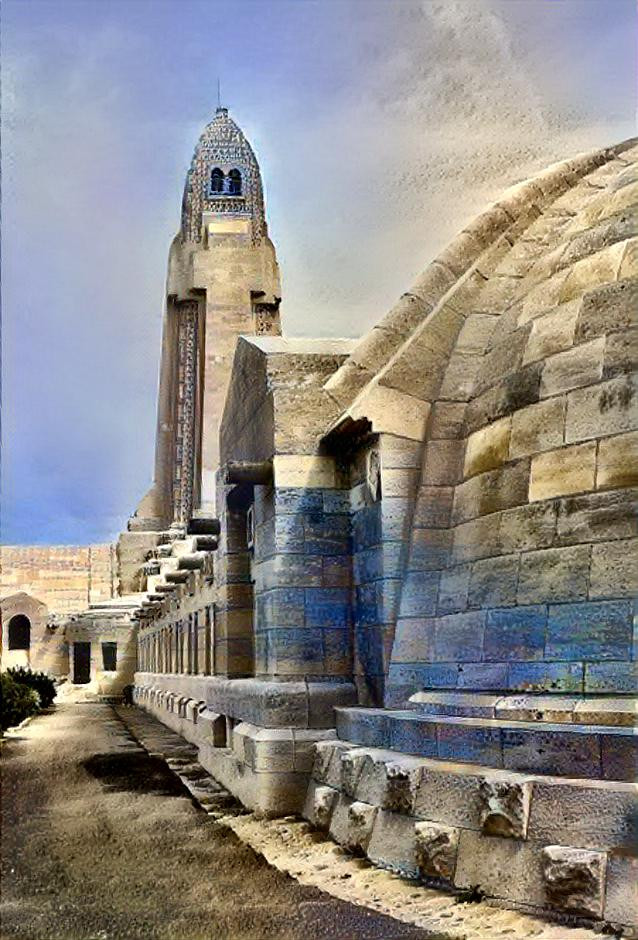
[217, 181]
[19, 632]
[234, 183]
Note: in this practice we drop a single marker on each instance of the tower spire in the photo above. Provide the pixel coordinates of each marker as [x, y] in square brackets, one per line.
[219, 95]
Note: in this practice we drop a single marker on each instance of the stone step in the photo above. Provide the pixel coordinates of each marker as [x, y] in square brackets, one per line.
[572, 709]
[567, 750]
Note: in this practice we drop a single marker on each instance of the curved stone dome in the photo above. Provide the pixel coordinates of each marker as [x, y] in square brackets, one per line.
[222, 146]
[512, 362]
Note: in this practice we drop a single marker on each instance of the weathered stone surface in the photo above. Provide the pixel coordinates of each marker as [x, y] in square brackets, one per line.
[479, 538]
[618, 462]
[358, 830]
[433, 506]
[488, 448]
[501, 868]
[436, 849]
[323, 803]
[328, 753]
[607, 309]
[451, 797]
[515, 633]
[494, 582]
[401, 781]
[527, 527]
[574, 879]
[537, 428]
[604, 409]
[621, 354]
[582, 365]
[453, 589]
[554, 574]
[443, 463]
[589, 815]
[392, 843]
[506, 804]
[591, 630]
[351, 765]
[563, 471]
[597, 517]
[552, 332]
[621, 896]
[614, 569]
[491, 491]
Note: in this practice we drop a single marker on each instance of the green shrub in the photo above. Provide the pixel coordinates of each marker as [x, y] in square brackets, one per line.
[17, 702]
[38, 681]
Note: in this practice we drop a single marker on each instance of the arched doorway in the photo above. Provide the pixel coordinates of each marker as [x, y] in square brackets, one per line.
[19, 632]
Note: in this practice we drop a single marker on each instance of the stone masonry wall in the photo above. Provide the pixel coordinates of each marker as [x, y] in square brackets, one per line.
[64, 577]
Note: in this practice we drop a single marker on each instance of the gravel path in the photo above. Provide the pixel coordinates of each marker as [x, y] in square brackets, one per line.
[100, 841]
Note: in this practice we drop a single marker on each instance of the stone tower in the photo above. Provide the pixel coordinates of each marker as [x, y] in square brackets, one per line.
[222, 281]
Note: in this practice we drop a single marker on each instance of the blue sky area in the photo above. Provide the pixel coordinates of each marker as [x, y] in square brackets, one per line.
[380, 127]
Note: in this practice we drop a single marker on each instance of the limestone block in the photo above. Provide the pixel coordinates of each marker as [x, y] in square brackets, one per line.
[413, 640]
[433, 506]
[544, 676]
[611, 677]
[504, 357]
[552, 333]
[582, 365]
[515, 391]
[537, 428]
[543, 297]
[411, 734]
[629, 264]
[563, 471]
[358, 827]
[574, 879]
[392, 412]
[621, 897]
[621, 354]
[604, 409]
[475, 333]
[506, 805]
[323, 802]
[298, 470]
[515, 633]
[352, 762]
[592, 630]
[436, 849]
[488, 448]
[597, 517]
[493, 582]
[401, 778]
[545, 708]
[606, 309]
[491, 491]
[614, 569]
[443, 462]
[599, 268]
[429, 549]
[399, 452]
[618, 462]
[554, 574]
[446, 419]
[527, 527]
[501, 868]
[551, 749]
[392, 844]
[458, 381]
[479, 538]
[459, 637]
[592, 814]
[453, 589]
[327, 765]
[399, 482]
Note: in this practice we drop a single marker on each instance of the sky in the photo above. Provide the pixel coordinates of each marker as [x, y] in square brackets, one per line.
[381, 128]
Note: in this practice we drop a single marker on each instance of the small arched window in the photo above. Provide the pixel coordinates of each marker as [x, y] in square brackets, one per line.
[19, 632]
[217, 181]
[234, 183]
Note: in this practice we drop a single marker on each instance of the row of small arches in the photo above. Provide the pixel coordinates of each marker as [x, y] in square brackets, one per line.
[226, 184]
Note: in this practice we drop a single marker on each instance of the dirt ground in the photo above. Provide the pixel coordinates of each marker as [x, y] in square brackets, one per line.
[101, 841]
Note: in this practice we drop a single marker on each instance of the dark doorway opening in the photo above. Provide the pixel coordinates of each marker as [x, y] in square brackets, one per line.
[81, 663]
[109, 656]
[19, 632]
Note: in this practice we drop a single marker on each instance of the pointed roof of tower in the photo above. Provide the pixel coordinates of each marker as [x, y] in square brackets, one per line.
[222, 146]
